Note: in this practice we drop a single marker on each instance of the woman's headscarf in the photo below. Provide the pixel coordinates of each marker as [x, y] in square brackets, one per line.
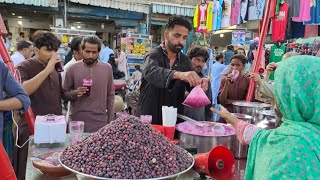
[291, 151]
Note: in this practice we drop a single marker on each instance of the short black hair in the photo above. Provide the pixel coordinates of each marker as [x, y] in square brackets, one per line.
[199, 51]
[230, 47]
[93, 39]
[219, 56]
[236, 51]
[105, 43]
[23, 44]
[21, 33]
[46, 38]
[137, 67]
[242, 58]
[75, 43]
[178, 20]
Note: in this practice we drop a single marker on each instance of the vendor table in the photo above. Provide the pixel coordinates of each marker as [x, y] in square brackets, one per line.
[34, 174]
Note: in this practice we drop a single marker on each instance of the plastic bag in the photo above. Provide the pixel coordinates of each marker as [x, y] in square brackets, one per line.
[197, 98]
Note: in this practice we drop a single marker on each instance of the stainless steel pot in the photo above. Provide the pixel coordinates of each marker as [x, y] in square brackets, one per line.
[240, 151]
[251, 108]
[269, 115]
[243, 117]
[206, 143]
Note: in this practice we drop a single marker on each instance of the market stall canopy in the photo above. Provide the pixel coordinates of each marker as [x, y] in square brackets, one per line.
[174, 9]
[44, 3]
[130, 6]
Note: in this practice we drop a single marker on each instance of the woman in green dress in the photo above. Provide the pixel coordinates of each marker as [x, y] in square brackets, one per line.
[291, 151]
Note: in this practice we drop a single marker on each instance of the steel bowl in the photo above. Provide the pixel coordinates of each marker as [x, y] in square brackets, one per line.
[206, 143]
[251, 108]
[243, 117]
[269, 115]
[83, 176]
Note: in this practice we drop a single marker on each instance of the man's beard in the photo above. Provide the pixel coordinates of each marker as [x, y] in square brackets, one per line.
[175, 48]
[89, 61]
[198, 70]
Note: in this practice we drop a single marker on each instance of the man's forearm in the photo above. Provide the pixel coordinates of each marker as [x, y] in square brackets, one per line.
[10, 104]
[33, 84]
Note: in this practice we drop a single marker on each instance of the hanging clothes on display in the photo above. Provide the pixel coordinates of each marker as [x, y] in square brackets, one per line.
[243, 12]
[256, 9]
[235, 12]
[279, 23]
[217, 14]
[226, 13]
[294, 10]
[304, 13]
[311, 31]
[277, 52]
[297, 30]
[314, 13]
[202, 19]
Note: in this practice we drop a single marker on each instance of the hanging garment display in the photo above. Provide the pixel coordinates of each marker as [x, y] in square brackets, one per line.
[311, 31]
[203, 15]
[294, 8]
[279, 23]
[304, 13]
[256, 9]
[217, 14]
[226, 13]
[235, 13]
[243, 12]
[314, 12]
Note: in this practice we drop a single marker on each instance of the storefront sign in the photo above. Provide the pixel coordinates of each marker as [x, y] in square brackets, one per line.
[238, 37]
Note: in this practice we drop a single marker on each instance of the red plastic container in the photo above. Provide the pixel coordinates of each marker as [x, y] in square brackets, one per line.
[169, 132]
[159, 128]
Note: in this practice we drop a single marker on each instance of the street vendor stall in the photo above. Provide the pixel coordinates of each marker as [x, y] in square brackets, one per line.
[136, 46]
[127, 148]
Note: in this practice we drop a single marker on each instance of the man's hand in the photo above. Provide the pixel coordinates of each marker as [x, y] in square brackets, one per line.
[191, 77]
[229, 79]
[256, 78]
[80, 91]
[52, 62]
[204, 84]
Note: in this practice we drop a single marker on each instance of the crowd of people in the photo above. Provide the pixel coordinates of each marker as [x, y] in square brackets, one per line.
[86, 88]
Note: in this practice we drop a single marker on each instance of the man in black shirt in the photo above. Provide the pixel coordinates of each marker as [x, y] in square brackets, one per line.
[167, 72]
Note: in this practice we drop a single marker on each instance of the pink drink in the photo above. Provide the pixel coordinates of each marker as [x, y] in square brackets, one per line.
[58, 67]
[76, 129]
[88, 84]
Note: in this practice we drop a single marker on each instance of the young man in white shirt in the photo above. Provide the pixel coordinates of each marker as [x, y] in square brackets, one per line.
[24, 51]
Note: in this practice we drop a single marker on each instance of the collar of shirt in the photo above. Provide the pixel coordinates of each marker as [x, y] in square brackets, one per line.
[17, 53]
[163, 46]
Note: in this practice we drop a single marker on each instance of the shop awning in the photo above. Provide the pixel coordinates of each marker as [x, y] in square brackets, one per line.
[44, 3]
[174, 9]
[130, 6]
[159, 23]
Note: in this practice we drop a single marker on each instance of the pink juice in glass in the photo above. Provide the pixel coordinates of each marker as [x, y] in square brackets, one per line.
[58, 67]
[88, 84]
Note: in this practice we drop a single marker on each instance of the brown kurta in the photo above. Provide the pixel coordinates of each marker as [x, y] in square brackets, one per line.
[45, 100]
[237, 90]
[96, 110]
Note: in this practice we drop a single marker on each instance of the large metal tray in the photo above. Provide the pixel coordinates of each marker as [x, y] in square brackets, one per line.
[83, 176]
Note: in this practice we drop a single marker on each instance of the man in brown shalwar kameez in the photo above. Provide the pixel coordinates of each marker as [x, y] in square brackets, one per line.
[43, 84]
